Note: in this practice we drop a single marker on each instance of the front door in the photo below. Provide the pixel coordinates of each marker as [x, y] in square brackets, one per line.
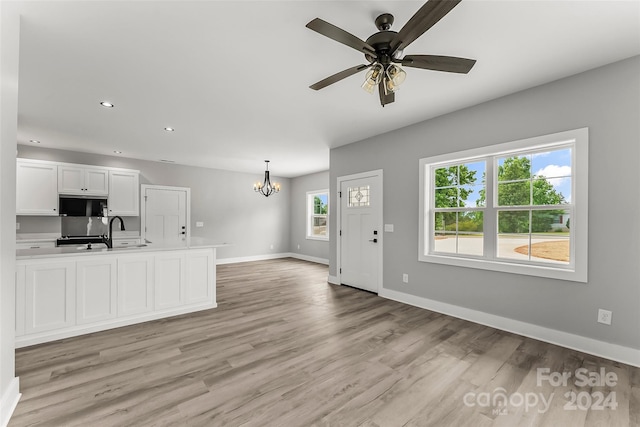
[360, 231]
[165, 215]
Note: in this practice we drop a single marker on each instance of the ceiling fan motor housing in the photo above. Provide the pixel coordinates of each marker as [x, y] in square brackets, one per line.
[381, 42]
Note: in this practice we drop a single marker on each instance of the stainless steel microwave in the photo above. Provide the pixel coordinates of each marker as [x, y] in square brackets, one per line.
[82, 206]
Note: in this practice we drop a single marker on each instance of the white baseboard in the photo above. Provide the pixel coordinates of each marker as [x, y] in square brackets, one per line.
[619, 353]
[9, 401]
[264, 257]
[333, 280]
[309, 258]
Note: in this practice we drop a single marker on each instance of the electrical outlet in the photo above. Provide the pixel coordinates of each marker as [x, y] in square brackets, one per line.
[17, 226]
[271, 247]
[604, 316]
[405, 278]
[199, 224]
[298, 247]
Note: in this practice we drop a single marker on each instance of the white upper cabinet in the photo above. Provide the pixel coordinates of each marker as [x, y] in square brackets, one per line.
[36, 188]
[124, 194]
[82, 180]
[39, 184]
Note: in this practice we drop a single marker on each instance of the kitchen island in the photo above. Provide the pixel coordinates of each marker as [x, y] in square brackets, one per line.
[68, 291]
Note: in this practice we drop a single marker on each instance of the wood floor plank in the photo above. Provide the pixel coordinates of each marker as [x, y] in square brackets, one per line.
[285, 348]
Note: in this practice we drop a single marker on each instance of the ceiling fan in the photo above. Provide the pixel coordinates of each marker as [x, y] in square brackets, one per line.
[384, 50]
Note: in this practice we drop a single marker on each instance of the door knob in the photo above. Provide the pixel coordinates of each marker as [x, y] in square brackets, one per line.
[374, 240]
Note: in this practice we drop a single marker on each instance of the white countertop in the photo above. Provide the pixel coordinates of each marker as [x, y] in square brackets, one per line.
[52, 237]
[67, 251]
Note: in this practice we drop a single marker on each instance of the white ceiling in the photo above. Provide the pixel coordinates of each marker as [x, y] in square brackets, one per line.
[232, 77]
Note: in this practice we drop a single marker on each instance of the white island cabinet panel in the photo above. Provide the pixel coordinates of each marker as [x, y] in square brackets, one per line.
[135, 285]
[170, 275]
[50, 296]
[96, 290]
[200, 277]
[62, 292]
[36, 188]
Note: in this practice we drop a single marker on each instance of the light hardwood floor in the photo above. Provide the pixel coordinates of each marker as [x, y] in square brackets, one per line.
[284, 348]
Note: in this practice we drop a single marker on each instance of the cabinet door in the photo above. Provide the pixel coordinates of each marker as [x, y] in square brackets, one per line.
[95, 290]
[96, 181]
[70, 180]
[20, 299]
[80, 180]
[36, 188]
[50, 296]
[200, 277]
[170, 278]
[124, 193]
[135, 285]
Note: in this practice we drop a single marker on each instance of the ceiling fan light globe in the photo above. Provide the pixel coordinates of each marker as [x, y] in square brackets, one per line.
[368, 86]
[396, 75]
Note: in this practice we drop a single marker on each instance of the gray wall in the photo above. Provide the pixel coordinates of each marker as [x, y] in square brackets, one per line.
[607, 101]
[10, 24]
[299, 187]
[225, 201]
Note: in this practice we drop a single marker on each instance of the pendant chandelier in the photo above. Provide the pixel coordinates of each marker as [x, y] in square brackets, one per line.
[266, 188]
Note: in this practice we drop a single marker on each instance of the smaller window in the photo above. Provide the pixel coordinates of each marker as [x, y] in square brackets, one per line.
[317, 215]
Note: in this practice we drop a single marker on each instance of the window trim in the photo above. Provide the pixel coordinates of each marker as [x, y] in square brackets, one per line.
[577, 270]
[310, 215]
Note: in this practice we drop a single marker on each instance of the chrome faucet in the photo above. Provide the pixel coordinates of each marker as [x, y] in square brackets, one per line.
[109, 240]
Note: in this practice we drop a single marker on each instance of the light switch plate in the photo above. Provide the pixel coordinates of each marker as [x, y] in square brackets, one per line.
[199, 224]
[388, 228]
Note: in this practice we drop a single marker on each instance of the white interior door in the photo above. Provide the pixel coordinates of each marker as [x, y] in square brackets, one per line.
[165, 215]
[361, 232]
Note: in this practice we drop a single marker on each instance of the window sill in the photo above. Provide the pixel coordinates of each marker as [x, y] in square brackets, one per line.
[325, 239]
[564, 273]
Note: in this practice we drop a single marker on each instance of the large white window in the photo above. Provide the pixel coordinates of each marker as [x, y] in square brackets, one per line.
[518, 207]
[317, 211]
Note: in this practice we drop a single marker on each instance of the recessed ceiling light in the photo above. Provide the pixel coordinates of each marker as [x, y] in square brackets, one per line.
[169, 129]
[117, 152]
[107, 104]
[35, 141]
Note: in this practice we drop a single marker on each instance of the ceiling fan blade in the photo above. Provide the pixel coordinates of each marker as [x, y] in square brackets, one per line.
[338, 76]
[449, 64]
[340, 35]
[426, 17]
[385, 98]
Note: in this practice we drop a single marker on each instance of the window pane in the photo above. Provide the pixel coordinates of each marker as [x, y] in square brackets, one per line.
[552, 248]
[445, 221]
[470, 237]
[550, 221]
[472, 195]
[319, 226]
[446, 177]
[358, 196]
[552, 164]
[445, 242]
[550, 191]
[320, 206]
[513, 246]
[514, 168]
[446, 197]
[514, 193]
[513, 222]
